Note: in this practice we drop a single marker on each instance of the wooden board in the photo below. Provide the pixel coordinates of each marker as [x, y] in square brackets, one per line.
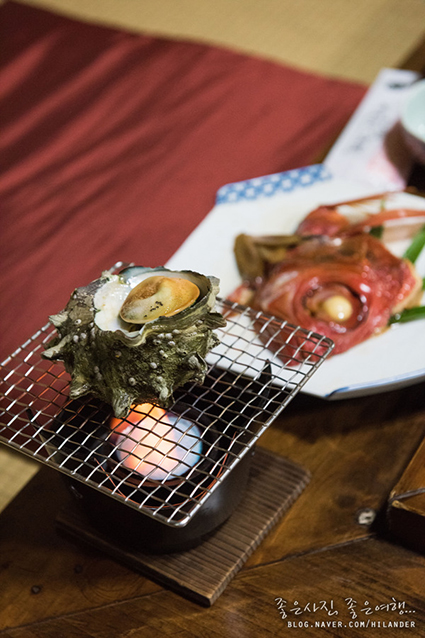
[406, 509]
[203, 573]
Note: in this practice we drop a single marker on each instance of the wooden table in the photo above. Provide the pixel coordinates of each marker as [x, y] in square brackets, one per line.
[327, 558]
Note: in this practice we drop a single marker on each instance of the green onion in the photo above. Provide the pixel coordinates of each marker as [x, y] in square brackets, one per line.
[377, 231]
[415, 248]
[408, 314]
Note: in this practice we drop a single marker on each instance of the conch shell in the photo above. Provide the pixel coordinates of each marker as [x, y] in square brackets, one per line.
[137, 336]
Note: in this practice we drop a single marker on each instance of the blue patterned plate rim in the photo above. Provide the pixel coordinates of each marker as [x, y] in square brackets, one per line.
[271, 185]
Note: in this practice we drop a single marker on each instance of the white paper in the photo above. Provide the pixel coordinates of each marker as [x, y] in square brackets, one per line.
[371, 148]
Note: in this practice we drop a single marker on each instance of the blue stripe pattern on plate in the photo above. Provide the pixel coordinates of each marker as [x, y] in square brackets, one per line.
[270, 185]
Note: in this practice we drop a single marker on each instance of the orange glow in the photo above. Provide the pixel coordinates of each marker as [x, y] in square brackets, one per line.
[150, 414]
[153, 443]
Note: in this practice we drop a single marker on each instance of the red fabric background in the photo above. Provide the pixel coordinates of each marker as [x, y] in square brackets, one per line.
[114, 145]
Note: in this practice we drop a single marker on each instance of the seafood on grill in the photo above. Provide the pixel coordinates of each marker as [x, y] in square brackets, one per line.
[332, 276]
[136, 336]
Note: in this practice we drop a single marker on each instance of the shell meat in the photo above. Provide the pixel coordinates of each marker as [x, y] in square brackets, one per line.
[136, 336]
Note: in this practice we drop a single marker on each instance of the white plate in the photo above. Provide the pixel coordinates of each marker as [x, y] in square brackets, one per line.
[275, 204]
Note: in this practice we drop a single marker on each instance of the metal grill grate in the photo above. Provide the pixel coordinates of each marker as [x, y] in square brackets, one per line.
[259, 366]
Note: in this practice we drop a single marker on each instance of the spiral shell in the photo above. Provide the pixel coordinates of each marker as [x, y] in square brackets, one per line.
[124, 363]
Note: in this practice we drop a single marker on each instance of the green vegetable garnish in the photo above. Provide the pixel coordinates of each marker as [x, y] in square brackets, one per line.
[377, 231]
[408, 314]
[415, 248]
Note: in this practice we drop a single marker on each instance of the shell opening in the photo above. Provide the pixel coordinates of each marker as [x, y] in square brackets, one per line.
[158, 296]
[185, 288]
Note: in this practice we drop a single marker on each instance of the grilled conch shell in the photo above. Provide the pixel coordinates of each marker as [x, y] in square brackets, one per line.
[126, 362]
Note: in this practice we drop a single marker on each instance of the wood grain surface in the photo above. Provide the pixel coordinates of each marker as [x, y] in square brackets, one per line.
[406, 510]
[249, 607]
[355, 449]
[203, 572]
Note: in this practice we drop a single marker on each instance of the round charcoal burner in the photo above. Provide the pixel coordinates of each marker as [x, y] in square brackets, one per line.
[132, 528]
[205, 457]
[82, 433]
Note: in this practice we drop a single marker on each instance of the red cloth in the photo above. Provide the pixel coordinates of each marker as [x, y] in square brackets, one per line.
[114, 145]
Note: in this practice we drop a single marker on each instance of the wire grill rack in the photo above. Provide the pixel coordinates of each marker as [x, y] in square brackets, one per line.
[258, 367]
